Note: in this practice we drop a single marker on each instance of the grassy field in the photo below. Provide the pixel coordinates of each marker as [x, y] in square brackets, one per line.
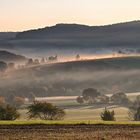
[82, 122]
[75, 111]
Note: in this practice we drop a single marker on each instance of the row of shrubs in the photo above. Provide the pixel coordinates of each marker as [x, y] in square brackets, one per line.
[47, 111]
[93, 96]
[37, 110]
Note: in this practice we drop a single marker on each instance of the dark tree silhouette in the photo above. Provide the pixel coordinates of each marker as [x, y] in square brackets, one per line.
[3, 66]
[8, 113]
[107, 115]
[90, 93]
[45, 111]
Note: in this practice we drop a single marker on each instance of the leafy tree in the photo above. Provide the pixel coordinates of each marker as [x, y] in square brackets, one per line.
[120, 98]
[137, 115]
[134, 109]
[80, 100]
[36, 62]
[45, 111]
[77, 57]
[30, 62]
[90, 93]
[3, 66]
[8, 113]
[107, 115]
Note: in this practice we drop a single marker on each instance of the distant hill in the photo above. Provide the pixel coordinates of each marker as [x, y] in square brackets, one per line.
[122, 34]
[71, 38]
[7, 35]
[11, 57]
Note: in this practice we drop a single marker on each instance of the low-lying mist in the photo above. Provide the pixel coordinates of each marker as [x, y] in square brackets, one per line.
[66, 79]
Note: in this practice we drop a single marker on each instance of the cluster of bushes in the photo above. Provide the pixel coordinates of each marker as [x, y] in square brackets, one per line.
[37, 110]
[92, 96]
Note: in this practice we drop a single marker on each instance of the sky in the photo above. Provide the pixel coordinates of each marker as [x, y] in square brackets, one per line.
[19, 15]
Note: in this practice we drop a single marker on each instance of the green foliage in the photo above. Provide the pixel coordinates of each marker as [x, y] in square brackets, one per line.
[120, 99]
[134, 110]
[137, 115]
[3, 66]
[45, 111]
[8, 113]
[90, 93]
[107, 115]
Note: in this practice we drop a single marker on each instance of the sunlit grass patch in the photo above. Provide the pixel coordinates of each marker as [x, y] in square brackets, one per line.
[33, 122]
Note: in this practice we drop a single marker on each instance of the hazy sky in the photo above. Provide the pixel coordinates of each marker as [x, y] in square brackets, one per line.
[17, 15]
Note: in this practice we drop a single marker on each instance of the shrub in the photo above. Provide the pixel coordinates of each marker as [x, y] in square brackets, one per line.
[8, 113]
[45, 111]
[134, 110]
[120, 99]
[107, 115]
[137, 115]
[80, 100]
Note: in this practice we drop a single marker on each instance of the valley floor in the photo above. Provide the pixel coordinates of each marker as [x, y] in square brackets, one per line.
[70, 132]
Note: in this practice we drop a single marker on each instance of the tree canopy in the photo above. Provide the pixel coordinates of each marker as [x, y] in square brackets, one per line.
[45, 111]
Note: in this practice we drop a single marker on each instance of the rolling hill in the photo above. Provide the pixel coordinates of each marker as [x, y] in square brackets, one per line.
[70, 78]
[73, 38]
[11, 57]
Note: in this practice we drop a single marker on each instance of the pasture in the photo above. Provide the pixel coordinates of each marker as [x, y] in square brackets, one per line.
[75, 111]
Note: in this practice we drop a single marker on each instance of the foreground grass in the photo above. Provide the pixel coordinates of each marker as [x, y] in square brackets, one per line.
[34, 122]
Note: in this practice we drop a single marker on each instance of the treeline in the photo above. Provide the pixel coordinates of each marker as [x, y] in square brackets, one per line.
[92, 96]
[37, 110]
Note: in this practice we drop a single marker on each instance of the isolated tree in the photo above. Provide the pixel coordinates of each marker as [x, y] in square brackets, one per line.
[80, 100]
[90, 93]
[134, 109]
[77, 57]
[3, 66]
[8, 113]
[107, 115]
[30, 62]
[45, 111]
[120, 98]
[137, 115]
[36, 62]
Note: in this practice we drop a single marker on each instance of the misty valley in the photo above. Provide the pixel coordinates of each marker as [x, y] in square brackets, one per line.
[71, 73]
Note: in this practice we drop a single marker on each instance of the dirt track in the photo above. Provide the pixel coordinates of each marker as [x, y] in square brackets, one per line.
[69, 132]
